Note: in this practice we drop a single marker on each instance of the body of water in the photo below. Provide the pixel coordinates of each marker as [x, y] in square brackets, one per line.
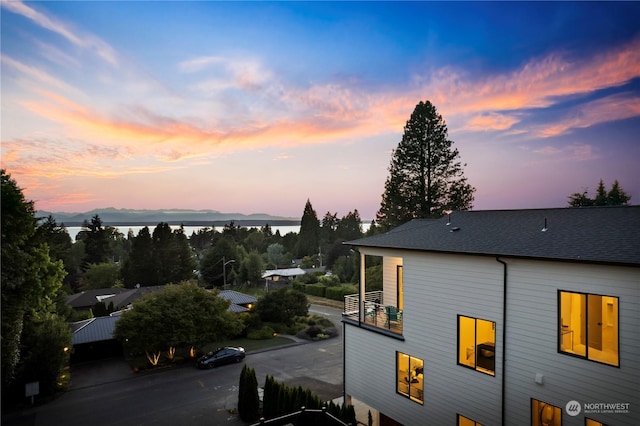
[188, 230]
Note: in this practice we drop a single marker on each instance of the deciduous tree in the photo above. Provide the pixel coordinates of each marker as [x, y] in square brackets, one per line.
[181, 315]
[282, 305]
[425, 176]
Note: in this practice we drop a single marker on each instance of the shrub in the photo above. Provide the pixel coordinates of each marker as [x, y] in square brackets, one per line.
[330, 280]
[313, 331]
[282, 305]
[316, 289]
[248, 400]
[338, 293]
[263, 333]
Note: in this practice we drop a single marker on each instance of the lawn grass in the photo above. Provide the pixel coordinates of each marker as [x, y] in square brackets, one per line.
[249, 345]
[140, 362]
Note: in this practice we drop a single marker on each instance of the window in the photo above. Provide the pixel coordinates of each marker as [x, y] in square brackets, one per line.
[410, 377]
[400, 290]
[477, 344]
[464, 421]
[543, 414]
[589, 422]
[588, 325]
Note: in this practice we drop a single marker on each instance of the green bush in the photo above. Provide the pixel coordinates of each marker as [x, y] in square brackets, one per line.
[338, 293]
[330, 280]
[263, 333]
[248, 401]
[316, 289]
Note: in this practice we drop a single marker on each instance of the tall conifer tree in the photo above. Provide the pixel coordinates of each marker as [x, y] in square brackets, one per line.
[425, 176]
[308, 238]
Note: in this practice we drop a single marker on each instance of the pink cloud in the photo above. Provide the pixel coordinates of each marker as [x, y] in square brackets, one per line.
[610, 108]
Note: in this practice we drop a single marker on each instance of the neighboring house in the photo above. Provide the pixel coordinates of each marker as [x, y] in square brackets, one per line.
[515, 317]
[288, 274]
[239, 302]
[95, 335]
[86, 300]
[126, 298]
[93, 338]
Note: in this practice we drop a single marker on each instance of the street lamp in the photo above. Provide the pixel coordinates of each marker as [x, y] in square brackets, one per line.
[224, 272]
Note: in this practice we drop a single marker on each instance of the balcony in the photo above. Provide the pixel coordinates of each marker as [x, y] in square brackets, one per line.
[373, 312]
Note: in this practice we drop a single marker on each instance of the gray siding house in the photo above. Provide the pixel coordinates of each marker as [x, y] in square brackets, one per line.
[515, 317]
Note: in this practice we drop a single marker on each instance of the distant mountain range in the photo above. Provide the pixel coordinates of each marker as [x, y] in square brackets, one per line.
[118, 217]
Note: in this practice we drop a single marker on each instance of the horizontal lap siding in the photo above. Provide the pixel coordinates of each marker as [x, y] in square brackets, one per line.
[370, 369]
[532, 336]
[438, 288]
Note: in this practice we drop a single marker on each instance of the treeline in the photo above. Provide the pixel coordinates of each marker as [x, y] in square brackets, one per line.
[282, 400]
[616, 196]
[103, 257]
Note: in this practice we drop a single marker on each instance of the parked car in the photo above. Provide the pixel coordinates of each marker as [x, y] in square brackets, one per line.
[221, 356]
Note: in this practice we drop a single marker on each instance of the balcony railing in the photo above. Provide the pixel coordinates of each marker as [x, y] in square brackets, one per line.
[371, 310]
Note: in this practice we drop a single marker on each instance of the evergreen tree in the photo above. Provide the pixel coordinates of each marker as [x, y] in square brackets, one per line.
[139, 267]
[308, 237]
[601, 195]
[60, 248]
[96, 239]
[350, 226]
[248, 400]
[425, 176]
[30, 279]
[615, 197]
[328, 228]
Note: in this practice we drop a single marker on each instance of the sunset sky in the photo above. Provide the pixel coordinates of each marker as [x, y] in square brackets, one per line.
[255, 107]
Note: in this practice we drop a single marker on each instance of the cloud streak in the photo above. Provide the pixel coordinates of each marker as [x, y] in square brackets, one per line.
[84, 40]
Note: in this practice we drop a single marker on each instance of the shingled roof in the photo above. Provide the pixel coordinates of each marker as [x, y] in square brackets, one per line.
[591, 234]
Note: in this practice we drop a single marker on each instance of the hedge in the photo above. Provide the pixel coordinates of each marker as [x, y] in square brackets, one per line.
[316, 290]
[338, 293]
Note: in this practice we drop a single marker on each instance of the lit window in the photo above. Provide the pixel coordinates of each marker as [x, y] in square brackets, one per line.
[543, 414]
[410, 377]
[464, 421]
[477, 344]
[589, 422]
[589, 326]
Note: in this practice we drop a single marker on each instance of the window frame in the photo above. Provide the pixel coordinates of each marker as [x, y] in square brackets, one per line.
[591, 422]
[555, 408]
[475, 346]
[461, 417]
[586, 327]
[400, 287]
[408, 395]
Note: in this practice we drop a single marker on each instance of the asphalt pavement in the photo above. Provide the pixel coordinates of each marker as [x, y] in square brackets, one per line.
[102, 372]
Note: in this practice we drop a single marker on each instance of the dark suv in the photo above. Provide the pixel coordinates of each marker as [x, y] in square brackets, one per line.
[221, 356]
